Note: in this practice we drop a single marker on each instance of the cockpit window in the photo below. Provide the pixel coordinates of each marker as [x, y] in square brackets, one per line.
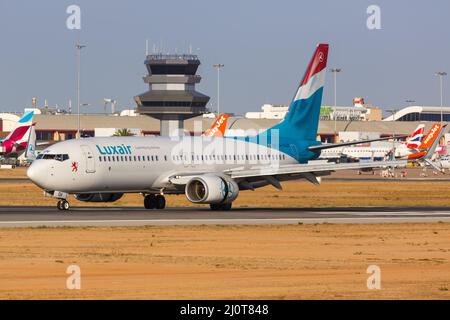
[57, 157]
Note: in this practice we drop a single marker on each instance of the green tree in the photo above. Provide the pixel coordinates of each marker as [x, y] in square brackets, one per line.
[123, 133]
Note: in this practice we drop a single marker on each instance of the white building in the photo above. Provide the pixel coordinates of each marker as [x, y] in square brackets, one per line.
[421, 113]
[8, 121]
[269, 111]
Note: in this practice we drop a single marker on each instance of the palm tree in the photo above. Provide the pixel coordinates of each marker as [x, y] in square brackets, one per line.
[123, 133]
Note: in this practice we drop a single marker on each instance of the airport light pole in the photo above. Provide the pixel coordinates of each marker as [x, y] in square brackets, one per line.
[218, 66]
[335, 71]
[78, 46]
[441, 74]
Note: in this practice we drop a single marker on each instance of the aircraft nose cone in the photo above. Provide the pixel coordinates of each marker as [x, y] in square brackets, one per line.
[32, 172]
[35, 174]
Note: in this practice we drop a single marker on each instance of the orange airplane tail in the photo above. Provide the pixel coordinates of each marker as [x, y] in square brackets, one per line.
[219, 126]
[430, 137]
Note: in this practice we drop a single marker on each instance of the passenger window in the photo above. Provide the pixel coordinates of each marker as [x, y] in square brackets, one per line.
[100, 159]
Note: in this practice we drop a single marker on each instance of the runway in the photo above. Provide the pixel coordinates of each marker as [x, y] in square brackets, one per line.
[132, 216]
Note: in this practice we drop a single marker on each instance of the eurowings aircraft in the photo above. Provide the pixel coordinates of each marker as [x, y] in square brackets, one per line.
[17, 140]
[208, 170]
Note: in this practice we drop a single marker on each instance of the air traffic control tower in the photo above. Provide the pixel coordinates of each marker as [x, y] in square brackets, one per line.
[172, 97]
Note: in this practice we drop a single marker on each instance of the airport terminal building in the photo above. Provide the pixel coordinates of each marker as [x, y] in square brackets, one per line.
[58, 127]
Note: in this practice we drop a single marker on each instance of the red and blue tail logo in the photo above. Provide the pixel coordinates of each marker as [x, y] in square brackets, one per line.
[414, 141]
[302, 119]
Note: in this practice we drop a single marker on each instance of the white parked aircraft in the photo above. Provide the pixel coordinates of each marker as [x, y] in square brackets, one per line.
[208, 170]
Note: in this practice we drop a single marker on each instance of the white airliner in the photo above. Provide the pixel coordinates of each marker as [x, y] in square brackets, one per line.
[380, 150]
[208, 170]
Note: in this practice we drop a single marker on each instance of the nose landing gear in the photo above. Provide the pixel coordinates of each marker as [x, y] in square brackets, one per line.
[152, 201]
[63, 205]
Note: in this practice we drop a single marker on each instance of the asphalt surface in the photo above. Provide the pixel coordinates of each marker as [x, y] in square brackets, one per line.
[130, 216]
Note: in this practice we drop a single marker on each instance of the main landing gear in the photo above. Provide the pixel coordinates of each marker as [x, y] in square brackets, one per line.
[220, 207]
[152, 201]
[63, 205]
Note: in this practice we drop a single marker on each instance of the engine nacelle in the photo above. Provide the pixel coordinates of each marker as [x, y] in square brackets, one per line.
[211, 189]
[99, 197]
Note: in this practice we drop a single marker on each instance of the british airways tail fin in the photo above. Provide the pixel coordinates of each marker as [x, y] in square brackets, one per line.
[415, 139]
[302, 120]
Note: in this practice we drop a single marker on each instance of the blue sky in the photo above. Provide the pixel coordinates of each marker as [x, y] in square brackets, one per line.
[265, 46]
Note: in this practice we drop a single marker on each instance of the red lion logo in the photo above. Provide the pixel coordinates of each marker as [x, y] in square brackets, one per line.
[74, 166]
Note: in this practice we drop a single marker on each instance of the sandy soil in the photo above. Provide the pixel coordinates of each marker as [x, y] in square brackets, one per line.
[214, 262]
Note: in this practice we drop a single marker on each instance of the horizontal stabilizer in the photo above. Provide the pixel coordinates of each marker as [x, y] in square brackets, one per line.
[351, 143]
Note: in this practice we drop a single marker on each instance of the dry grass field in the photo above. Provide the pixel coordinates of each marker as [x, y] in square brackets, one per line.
[228, 262]
[295, 194]
[322, 261]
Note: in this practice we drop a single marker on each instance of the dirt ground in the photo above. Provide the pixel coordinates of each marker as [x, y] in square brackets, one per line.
[294, 194]
[228, 262]
[330, 193]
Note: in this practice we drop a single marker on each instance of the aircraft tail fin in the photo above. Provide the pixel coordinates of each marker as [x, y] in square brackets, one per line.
[219, 126]
[415, 139]
[30, 152]
[302, 120]
[431, 136]
[19, 133]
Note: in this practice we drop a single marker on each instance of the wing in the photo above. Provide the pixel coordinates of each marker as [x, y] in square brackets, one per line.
[319, 168]
[251, 178]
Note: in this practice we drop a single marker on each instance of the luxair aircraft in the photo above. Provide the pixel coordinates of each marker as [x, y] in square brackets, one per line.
[208, 170]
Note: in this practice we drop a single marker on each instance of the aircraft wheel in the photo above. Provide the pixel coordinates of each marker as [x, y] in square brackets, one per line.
[220, 207]
[214, 207]
[160, 202]
[150, 201]
[225, 207]
[63, 205]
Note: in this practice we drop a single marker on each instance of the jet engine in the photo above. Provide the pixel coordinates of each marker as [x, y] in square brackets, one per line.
[211, 189]
[98, 197]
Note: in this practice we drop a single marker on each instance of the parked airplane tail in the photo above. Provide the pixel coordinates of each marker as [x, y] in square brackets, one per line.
[30, 153]
[415, 139]
[219, 126]
[431, 136]
[19, 133]
[302, 120]
[429, 143]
